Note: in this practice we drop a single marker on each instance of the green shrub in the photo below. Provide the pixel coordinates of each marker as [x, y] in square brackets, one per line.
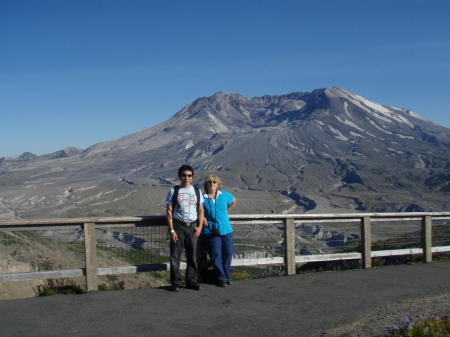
[416, 326]
[59, 287]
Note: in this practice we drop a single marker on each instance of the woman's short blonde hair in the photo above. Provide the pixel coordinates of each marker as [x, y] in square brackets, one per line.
[208, 178]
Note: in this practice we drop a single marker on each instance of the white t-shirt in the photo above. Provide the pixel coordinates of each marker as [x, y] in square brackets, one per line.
[186, 207]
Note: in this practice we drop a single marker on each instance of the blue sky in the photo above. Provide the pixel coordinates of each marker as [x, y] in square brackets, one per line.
[76, 73]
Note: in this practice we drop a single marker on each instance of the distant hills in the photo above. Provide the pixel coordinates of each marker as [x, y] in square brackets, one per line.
[30, 157]
[327, 151]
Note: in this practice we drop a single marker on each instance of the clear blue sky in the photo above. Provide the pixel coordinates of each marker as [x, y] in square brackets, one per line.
[76, 73]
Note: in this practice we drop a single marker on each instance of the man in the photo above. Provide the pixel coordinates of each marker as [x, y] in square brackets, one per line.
[184, 213]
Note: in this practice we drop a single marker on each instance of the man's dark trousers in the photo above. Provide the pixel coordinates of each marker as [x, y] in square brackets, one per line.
[189, 243]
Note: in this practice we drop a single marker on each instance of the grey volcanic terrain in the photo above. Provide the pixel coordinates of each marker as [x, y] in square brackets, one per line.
[328, 151]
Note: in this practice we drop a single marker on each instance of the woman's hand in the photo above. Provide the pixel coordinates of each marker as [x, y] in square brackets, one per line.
[197, 232]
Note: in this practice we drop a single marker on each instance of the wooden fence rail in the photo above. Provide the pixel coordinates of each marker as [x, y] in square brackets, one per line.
[289, 221]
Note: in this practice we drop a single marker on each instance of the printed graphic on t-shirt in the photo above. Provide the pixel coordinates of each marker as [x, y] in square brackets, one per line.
[187, 203]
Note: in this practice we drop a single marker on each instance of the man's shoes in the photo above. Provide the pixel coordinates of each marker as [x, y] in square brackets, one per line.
[175, 289]
[194, 287]
[229, 282]
[222, 284]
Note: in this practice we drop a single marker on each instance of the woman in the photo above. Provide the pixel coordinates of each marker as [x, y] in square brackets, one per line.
[217, 233]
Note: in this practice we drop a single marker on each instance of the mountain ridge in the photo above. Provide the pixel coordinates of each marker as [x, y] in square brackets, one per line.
[320, 151]
[28, 156]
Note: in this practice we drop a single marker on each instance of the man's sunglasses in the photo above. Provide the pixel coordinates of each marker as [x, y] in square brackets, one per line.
[186, 175]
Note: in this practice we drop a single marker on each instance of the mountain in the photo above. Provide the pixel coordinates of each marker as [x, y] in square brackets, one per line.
[324, 151]
[30, 157]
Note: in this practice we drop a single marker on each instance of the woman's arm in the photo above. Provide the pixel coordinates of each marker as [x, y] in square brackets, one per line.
[233, 203]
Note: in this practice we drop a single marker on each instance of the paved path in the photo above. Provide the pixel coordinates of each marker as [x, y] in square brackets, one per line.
[299, 305]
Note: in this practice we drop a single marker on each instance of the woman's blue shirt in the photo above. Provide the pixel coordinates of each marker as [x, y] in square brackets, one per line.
[216, 212]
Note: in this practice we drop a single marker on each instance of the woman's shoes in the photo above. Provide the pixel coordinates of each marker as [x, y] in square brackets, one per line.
[221, 284]
[229, 282]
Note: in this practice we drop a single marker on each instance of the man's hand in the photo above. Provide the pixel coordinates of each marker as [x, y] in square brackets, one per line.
[174, 237]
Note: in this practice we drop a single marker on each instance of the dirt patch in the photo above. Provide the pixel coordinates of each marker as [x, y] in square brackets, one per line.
[153, 279]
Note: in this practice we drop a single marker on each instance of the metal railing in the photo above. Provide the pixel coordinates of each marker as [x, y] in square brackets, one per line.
[90, 247]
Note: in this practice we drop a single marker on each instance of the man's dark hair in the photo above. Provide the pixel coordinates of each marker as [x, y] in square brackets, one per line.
[185, 168]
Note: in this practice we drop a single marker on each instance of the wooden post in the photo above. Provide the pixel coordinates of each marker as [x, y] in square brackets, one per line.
[289, 246]
[366, 242]
[426, 239]
[90, 250]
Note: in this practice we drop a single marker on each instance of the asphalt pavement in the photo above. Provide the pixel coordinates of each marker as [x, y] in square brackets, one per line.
[298, 305]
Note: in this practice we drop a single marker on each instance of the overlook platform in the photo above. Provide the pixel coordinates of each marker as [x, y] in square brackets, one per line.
[296, 305]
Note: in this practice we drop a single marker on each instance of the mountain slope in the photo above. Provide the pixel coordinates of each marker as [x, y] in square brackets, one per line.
[325, 151]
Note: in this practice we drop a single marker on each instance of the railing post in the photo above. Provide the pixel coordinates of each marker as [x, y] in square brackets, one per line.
[366, 242]
[289, 246]
[426, 238]
[90, 251]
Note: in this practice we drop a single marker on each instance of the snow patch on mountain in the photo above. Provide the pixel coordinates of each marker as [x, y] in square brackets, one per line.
[416, 115]
[350, 123]
[382, 112]
[396, 151]
[403, 136]
[218, 125]
[354, 134]
[379, 128]
[189, 144]
[346, 109]
[320, 123]
[338, 134]
[375, 109]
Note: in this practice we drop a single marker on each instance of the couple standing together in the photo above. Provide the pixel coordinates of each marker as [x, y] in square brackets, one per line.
[191, 214]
